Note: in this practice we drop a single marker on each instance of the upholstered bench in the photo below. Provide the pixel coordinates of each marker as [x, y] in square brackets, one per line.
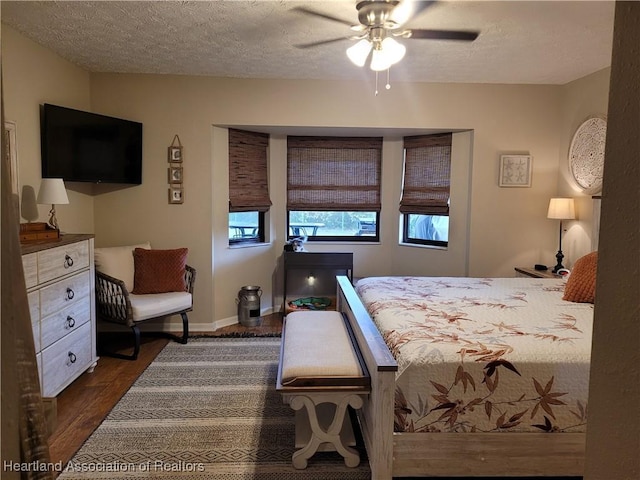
[321, 371]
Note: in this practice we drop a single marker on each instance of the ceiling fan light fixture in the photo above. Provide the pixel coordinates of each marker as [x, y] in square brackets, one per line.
[359, 52]
[388, 53]
[402, 13]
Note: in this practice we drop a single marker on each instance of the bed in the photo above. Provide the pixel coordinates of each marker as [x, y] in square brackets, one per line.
[471, 376]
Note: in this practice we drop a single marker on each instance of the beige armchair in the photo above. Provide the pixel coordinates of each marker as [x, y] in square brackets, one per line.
[135, 284]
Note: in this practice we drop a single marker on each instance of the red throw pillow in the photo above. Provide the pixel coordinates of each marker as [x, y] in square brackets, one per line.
[581, 284]
[159, 271]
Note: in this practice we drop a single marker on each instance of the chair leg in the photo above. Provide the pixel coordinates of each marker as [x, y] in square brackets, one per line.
[175, 337]
[185, 328]
[136, 338]
[136, 347]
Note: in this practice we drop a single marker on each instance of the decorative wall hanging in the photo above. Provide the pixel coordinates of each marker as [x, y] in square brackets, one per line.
[175, 172]
[175, 150]
[586, 154]
[515, 170]
[175, 175]
[176, 194]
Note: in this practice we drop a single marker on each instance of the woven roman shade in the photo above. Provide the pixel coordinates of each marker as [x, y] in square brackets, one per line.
[427, 173]
[334, 173]
[248, 175]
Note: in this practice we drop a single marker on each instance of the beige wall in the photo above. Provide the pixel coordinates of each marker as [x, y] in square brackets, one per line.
[503, 119]
[33, 75]
[493, 229]
[581, 99]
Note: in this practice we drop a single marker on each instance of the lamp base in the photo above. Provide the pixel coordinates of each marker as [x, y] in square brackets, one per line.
[559, 257]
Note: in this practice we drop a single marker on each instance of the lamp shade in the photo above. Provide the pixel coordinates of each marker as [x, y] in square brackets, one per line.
[52, 192]
[561, 209]
[389, 53]
[359, 52]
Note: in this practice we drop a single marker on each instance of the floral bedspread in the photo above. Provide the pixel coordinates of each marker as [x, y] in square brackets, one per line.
[484, 354]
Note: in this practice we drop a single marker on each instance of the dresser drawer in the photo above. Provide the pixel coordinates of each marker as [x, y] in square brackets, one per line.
[34, 310]
[30, 268]
[65, 321]
[59, 261]
[64, 293]
[65, 359]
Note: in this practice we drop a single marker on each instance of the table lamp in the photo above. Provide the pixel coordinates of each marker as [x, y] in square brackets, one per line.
[52, 192]
[561, 209]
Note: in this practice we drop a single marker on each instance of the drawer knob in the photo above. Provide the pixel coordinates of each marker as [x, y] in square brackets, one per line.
[70, 294]
[72, 357]
[68, 261]
[71, 322]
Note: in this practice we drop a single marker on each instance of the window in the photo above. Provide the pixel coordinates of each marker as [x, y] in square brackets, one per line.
[248, 186]
[426, 229]
[333, 188]
[333, 225]
[426, 189]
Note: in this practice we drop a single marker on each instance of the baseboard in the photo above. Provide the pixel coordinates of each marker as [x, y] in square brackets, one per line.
[227, 322]
[175, 324]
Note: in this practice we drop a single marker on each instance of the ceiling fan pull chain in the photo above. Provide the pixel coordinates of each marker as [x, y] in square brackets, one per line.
[388, 85]
[376, 93]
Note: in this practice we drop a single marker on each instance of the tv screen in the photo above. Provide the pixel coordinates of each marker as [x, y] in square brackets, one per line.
[80, 146]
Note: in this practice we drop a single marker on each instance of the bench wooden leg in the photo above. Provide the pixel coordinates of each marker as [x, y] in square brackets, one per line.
[330, 434]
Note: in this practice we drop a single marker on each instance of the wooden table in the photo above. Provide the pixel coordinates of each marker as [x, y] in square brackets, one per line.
[532, 272]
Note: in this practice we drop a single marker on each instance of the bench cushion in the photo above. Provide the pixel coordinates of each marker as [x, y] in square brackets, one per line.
[317, 348]
[158, 304]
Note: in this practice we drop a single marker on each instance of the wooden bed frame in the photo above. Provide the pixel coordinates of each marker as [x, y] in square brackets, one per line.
[443, 454]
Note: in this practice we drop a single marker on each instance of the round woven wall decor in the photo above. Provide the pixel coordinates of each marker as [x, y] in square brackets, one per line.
[586, 155]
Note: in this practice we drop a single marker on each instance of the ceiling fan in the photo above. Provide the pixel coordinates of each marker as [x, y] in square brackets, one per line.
[381, 21]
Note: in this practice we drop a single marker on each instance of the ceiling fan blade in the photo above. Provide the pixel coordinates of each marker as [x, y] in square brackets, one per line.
[326, 16]
[408, 9]
[321, 42]
[464, 35]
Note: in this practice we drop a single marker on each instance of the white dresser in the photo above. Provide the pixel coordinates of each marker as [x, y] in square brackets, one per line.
[60, 287]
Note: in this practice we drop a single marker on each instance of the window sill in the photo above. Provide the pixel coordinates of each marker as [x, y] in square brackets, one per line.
[339, 242]
[248, 245]
[417, 245]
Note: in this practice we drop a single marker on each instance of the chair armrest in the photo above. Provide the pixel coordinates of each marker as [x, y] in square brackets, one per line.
[190, 278]
[112, 300]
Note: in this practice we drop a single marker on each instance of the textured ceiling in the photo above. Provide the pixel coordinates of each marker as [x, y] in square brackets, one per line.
[542, 42]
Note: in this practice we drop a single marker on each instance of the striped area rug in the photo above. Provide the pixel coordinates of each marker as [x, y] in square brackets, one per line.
[205, 410]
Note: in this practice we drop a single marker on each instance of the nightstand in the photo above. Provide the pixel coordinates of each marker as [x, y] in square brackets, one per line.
[313, 274]
[533, 273]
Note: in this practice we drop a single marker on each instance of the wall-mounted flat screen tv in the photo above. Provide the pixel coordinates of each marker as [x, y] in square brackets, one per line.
[81, 146]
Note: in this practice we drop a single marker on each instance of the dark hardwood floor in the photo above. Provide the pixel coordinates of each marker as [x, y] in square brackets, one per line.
[84, 404]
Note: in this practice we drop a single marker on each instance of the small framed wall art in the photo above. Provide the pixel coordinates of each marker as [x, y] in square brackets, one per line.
[515, 171]
[176, 195]
[175, 150]
[175, 175]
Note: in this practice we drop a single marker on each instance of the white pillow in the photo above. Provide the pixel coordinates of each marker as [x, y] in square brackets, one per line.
[118, 262]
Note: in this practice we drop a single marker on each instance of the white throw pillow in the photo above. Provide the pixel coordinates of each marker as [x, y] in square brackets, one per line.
[118, 262]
